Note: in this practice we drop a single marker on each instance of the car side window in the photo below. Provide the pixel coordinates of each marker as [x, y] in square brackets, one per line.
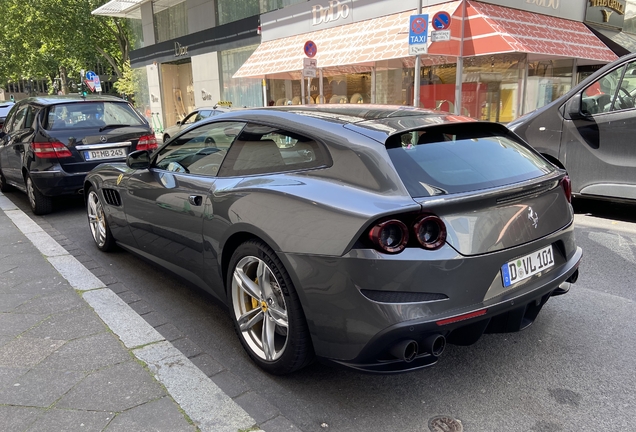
[199, 151]
[19, 120]
[8, 124]
[191, 119]
[600, 96]
[30, 117]
[264, 149]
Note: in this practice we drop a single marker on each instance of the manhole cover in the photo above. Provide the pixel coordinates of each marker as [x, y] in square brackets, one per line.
[444, 424]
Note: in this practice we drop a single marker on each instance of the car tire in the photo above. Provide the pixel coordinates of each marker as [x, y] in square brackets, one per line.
[268, 308]
[97, 222]
[40, 203]
[166, 137]
[4, 187]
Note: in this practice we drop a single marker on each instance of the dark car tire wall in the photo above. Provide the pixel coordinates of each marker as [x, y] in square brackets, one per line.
[40, 204]
[299, 350]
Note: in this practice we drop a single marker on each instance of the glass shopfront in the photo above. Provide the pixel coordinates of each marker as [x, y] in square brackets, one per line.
[493, 85]
[241, 92]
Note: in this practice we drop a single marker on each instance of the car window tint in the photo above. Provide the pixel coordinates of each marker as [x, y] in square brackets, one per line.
[191, 119]
[30, 117]
[199, 151]
[205, 113]
[599, 96]
[461, 158]
[90, 115]
[264, 149]
[8, 126]
[627, 89]
[18, 121]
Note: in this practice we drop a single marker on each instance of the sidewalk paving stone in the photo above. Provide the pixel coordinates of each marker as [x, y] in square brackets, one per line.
[67, 359]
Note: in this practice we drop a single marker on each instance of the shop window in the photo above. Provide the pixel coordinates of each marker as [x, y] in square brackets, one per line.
[231, 10]
[170, 22]
[241, 92]
[136, 33]
[263, 149]
[547, 81]
[629, 24]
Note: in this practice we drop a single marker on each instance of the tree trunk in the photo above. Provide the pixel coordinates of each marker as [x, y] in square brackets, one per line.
[63, 84]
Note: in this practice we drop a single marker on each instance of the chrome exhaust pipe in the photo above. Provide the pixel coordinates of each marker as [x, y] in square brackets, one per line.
[561, 289]
[405, 350]
[435, 345]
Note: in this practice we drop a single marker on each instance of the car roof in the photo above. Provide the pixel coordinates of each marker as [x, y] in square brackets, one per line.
[73, 98]
[375, 121]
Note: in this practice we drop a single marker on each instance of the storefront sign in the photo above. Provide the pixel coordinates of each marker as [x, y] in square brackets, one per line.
[180, 50]
[332, 12]
[606, 12]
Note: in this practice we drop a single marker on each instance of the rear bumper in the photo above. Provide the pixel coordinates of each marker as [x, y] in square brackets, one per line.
[512, 315]
[58, 182]
[360, 305]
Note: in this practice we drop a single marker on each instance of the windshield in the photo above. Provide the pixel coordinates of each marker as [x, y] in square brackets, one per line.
[91, 114]
[460, 158]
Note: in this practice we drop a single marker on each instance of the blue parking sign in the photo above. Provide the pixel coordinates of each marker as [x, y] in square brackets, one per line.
[418, 30]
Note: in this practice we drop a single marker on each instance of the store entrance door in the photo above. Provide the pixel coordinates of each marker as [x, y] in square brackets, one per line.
[178, 91]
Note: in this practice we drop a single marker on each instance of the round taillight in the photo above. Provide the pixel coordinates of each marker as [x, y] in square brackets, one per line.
[430, 232]
[390, 236]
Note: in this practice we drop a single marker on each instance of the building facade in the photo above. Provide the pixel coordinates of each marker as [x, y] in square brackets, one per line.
[508, 57]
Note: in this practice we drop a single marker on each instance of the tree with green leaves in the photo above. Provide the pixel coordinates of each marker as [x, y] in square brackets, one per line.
[40, 38]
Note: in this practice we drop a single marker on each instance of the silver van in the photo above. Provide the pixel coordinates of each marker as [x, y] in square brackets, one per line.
[591, 132]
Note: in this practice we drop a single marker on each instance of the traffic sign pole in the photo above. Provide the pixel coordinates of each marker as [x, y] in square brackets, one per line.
[418, 65]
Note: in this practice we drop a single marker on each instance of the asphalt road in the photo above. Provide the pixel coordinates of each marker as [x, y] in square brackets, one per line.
[573, 370]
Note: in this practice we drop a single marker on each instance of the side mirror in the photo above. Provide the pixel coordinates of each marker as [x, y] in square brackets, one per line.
[575, 109]
[139, 159]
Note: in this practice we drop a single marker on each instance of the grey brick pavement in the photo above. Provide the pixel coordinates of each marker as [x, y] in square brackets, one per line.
[63, 369]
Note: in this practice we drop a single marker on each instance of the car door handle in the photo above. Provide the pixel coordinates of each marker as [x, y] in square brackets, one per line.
[195, 200]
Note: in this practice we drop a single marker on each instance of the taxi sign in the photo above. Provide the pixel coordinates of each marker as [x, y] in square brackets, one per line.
[418, 34]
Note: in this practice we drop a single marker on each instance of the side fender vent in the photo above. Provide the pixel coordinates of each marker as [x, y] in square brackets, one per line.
[111, 196]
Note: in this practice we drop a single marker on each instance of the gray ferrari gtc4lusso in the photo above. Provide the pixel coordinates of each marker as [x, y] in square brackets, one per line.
[368, 236]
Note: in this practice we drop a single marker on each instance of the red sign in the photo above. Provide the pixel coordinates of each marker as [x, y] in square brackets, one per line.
[310, 49]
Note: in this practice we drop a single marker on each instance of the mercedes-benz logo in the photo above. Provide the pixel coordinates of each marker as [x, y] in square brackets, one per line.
[103, 139]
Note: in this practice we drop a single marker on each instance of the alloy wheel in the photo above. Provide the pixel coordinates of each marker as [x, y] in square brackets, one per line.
[31, 192]
[96, 219]
[259, 308]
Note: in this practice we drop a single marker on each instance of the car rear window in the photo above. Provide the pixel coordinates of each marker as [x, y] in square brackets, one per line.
[91, 114]
[461, 158]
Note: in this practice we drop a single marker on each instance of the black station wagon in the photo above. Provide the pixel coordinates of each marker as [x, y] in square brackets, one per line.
[48, 144]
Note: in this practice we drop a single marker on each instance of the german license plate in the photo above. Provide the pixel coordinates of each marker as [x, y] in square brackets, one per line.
[524, 267]
[105, 154]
